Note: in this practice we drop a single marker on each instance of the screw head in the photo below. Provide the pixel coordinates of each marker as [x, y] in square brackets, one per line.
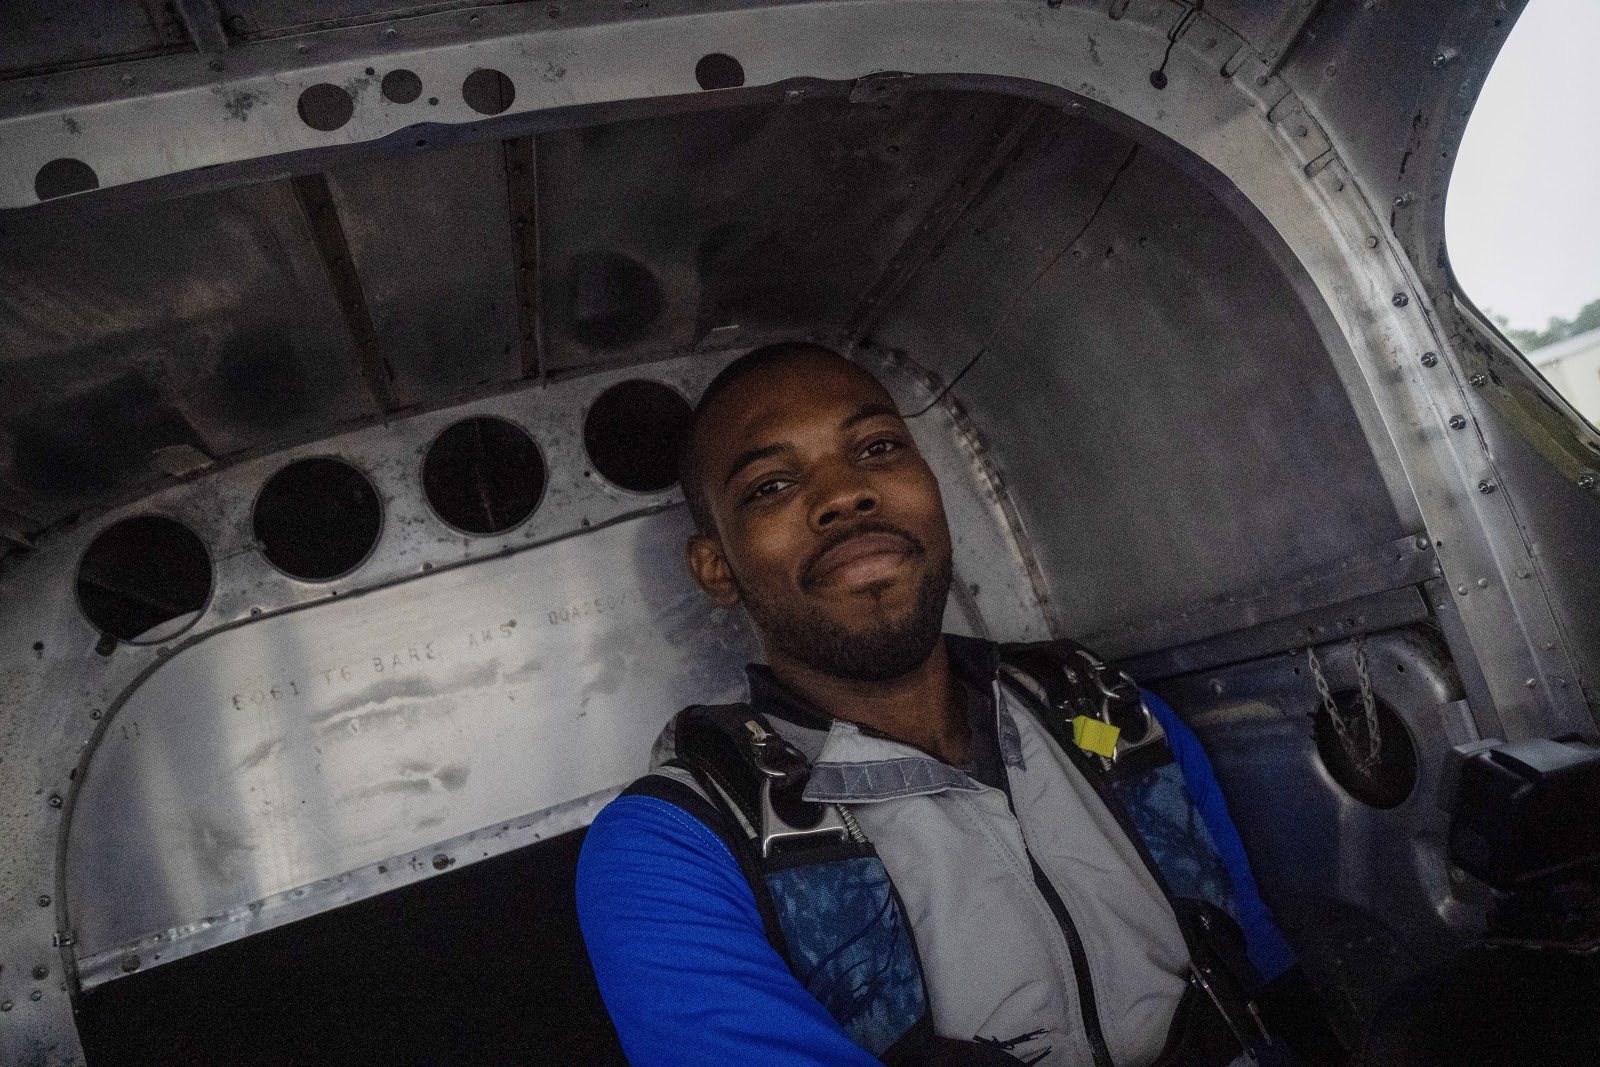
[1485, 486]
[1480, 380]
[1457, 422]
[1430, 359]
[1400, 300]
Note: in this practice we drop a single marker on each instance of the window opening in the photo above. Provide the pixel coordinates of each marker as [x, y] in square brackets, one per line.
[144, 579]
[633, 434]
[483, 476]
[1522, 222]
[317, 519]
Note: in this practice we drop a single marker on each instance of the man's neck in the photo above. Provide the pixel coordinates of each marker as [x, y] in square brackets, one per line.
[923, 707]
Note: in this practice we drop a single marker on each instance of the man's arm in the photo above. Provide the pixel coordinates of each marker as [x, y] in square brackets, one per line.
[678, 949]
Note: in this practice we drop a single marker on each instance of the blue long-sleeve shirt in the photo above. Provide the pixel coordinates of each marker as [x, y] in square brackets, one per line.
[684, 964]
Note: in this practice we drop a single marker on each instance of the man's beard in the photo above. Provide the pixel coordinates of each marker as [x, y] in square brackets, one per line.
[884, 650]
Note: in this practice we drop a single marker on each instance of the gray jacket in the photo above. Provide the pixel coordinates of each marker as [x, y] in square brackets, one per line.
[995, 959]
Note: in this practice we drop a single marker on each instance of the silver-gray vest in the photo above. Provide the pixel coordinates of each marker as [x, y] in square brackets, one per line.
[1069, 918]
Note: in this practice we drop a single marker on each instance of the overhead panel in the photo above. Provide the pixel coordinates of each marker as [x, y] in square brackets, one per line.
[204, 323]
[430, 236]
[723, 228]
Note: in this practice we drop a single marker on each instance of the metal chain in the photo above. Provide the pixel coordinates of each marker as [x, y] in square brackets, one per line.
[1363, 752]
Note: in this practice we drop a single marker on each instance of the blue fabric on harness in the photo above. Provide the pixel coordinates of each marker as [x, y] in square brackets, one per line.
[850, 945]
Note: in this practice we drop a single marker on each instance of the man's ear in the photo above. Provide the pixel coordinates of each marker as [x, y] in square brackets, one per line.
[710, 570]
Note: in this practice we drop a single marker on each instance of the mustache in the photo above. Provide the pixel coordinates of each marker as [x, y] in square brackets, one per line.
[864, 526]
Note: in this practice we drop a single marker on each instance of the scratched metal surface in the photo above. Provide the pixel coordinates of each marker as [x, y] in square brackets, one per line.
[273, 754]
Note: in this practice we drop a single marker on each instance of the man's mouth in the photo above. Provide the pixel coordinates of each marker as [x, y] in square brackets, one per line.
[859, 559]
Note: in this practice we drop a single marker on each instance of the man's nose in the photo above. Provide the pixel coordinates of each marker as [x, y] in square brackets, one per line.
[845, 494]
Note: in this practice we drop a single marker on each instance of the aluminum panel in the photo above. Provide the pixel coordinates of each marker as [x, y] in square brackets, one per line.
[274, 754]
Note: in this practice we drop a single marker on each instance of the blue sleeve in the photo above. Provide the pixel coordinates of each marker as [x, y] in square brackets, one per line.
[1268, 950]
[680, 954]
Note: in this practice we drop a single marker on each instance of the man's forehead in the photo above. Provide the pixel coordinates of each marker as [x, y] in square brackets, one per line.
[795, 392]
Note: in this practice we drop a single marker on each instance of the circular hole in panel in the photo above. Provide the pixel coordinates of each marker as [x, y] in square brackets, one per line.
[488, 92]
[1391, 777]
[144, 579]
[400, 86]
[325, 107]
[633, 434]
[613, 299]
[718, 71]
[483, 476]
[317, 519]
[62, 177]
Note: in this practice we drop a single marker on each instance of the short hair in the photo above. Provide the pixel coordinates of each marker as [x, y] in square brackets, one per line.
[756, 359]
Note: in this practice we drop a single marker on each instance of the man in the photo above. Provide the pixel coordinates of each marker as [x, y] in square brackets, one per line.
[1043, 931]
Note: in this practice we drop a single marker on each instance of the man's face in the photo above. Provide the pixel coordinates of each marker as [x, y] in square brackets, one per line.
[829, 525]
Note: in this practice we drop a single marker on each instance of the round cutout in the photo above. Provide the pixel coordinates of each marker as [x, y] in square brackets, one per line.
[613, 299]
[1389, 779]
[144, 579]
[317, 519]
[325, 107]
[718, 71]
[633, 434]
[488, 92]
[63, 177]
[483, 476]
[400, 86]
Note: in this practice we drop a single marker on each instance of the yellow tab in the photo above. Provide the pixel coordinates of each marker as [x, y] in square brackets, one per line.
[1095, 736]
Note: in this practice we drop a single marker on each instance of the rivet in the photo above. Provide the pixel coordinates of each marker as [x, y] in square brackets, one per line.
[127, 79]
[1461, 589]
[1457, 422]
[1522, 572]
[1422, 544]
[474, 20]
[215, 65]
[1216, 686]
[44, 901]
[255, 611]
[1372, 241]
[40, 973]
[1301, 131]
[130, 962]
[1530, 683]
[1400, 300]
[1480, 380]
[94, 714]
[302, 48]
[1586, 480]
[441, 861]
[1483, 583]
[5, 1005]
[1430, 359]
[55, 800]
[391, 32]
[1486, 487]
[1262, 80]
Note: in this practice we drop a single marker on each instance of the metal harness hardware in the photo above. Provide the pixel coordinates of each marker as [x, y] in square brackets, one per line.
[784, 769]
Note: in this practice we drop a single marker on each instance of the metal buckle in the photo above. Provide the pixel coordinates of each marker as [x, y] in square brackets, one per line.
[775, 828]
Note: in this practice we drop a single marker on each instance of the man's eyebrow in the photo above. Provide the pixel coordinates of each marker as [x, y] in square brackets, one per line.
[747, 458]
[870, 411]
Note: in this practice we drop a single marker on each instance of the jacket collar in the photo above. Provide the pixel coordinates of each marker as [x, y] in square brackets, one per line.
[852, 764]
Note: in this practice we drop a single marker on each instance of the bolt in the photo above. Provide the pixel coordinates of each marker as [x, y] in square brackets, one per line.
[130, 963]
[1457, 422]
[1480, 380]
[44, 901]
[1400, 300]
[1586, 480]
[1372, 241]
[1430, 359]
[40, 973]
[55, 800]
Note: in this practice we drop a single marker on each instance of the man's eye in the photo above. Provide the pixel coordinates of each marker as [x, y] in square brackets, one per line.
[881, 447]
[767, 488]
